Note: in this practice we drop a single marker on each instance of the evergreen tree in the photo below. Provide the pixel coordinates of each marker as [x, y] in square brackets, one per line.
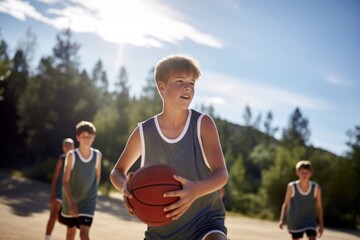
[4, 66]
[297, 132]
[12, 88]
[269, 130]
[56, 99]
[27, 45]
[99, 77]
[247, 115]
[66, 52]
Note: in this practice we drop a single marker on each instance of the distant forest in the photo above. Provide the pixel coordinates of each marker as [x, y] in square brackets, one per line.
[40, 107]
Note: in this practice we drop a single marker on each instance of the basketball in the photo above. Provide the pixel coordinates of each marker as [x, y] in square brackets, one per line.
[147, 186]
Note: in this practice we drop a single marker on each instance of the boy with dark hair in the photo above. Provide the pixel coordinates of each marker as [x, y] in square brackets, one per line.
[302, 205]
[81, 179]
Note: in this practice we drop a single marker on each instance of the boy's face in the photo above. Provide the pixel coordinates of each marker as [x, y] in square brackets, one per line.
[67, 147]
[179, 90]
[304, 174]
[85, 139]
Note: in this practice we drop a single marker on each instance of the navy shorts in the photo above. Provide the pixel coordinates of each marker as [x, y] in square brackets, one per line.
[75, 221]
[309, 233]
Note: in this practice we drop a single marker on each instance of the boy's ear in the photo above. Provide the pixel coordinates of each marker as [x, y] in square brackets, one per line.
[161, 86]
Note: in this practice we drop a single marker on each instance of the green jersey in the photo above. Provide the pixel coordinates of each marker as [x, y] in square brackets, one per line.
[83, 184]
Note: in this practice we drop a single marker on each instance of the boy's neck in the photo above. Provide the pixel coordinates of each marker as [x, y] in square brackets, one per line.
[304, 184]
[172, 125]
[173, 119]
[85, 151]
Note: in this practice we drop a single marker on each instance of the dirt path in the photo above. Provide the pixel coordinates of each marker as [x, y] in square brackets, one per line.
[24, 211]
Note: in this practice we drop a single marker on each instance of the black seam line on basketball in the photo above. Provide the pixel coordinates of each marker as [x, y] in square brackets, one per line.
[157, 184]
[147, 204]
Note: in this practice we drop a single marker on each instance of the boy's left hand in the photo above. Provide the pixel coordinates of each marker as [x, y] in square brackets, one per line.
[320, 231]
[187, 195]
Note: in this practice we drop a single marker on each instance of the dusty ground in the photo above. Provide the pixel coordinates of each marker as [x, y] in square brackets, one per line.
[24, 211]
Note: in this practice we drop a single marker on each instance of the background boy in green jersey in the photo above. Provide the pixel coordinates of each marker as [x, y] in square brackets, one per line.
[303, 205]
[81, 178]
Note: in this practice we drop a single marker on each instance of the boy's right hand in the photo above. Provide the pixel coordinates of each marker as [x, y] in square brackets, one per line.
[127, 194]
[281, 224]
[73, 210]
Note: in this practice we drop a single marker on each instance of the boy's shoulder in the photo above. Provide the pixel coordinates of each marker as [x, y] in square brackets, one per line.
[96, 150]
[292, 183]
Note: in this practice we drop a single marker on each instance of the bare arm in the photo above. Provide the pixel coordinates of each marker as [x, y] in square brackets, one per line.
[217, 178]
[215, 158]
[58, 168]
[285, 206]
[98, 169]
[66, 183]
[319, 211]
[130, 154]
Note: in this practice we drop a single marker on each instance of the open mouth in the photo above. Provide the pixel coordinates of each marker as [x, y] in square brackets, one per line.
[185, 97]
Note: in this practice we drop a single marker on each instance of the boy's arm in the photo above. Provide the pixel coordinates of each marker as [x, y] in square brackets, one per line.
[130, 154]
[66, 183]
[217, 178]
[215, 158]
[98, 168]
[58, 168]
[319, 211]
[285, 206]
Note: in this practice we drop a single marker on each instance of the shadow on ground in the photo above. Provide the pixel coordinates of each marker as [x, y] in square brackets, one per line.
[26, 197]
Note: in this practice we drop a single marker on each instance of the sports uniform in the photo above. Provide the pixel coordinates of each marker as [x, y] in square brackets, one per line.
[186, 155]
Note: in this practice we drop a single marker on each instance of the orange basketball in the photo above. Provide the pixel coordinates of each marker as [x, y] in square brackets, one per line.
[147, 186]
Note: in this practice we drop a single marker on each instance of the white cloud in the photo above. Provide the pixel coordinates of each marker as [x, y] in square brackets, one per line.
[335, 80]
[48, 1]
[20, 10]
[136, 22]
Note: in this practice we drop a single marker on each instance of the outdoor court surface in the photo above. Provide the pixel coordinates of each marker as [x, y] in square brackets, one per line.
[24, 211]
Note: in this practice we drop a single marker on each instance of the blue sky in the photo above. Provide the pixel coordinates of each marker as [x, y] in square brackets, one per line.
[270, 55]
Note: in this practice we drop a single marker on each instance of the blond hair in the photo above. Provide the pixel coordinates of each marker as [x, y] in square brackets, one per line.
[174, 64]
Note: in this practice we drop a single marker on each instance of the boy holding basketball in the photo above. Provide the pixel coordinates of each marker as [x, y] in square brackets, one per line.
[302, 205]
[187, 141]
[81, 178]
[56, 187]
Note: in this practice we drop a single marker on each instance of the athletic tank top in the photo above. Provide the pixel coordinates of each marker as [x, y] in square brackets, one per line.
[185, 154]
[301, 213]
[60, 178]
[83, 185]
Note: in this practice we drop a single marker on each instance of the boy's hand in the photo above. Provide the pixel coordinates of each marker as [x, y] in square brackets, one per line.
[281, 224]
[127, 195]
[73, 210]
[187, 196]
[320, 231]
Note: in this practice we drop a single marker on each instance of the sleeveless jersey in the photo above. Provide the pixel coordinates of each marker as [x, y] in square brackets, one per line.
[301, 214]
[185, 154]
[60, 179]
[83, 184]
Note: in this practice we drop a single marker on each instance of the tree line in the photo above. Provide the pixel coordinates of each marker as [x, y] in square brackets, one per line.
[40, 107]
